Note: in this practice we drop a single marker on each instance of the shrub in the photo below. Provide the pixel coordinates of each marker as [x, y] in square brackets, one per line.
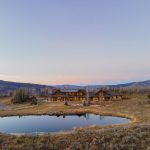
[148, 99]
[66, 103]
[20, 96]
[84, 103]
[34, 101]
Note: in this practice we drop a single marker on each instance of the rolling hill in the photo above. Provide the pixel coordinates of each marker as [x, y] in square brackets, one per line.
[143, 84]
[7, 87]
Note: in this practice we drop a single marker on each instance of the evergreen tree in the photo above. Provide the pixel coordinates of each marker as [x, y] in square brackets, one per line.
[20, 96]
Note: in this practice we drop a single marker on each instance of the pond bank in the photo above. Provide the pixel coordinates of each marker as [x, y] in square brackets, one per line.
[134, 135]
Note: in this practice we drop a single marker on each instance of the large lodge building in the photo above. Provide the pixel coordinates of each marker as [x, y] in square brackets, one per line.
[82, 94]
[72, 95]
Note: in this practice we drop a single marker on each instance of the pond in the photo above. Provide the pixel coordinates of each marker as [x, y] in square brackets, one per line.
[46, 123]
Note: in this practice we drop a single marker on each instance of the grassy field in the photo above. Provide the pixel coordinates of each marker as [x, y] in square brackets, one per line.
[134, 136]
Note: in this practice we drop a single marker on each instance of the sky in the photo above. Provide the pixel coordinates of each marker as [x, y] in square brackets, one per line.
[74, 42]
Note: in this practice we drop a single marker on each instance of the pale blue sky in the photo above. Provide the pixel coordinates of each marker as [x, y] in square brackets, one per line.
[74, 41]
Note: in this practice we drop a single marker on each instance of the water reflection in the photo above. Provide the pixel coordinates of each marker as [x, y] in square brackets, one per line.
[46, 123]
[101, 117]
[87, 116]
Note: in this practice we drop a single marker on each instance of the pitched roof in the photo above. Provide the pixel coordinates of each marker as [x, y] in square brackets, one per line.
[69, 90]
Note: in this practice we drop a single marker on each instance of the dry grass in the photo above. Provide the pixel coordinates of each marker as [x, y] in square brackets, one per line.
[135, 135]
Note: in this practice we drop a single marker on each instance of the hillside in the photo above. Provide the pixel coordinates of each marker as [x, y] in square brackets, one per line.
[7, 85]
[142, 84]
[132, 85]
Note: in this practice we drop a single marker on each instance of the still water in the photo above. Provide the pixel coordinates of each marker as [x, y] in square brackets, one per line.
[46, 123]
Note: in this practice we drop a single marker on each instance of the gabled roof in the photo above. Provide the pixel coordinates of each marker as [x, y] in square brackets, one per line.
[106, 93]
[68, 90]
[101, 90]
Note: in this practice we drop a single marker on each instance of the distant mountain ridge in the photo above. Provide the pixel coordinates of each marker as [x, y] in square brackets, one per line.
[134, 84]
[142, 84]
[7, 87]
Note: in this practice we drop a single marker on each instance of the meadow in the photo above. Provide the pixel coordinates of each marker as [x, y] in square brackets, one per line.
[134, 135]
